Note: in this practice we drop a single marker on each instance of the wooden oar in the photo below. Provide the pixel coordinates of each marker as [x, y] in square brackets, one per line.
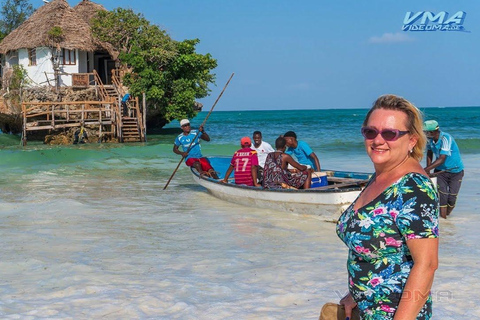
[203, 123]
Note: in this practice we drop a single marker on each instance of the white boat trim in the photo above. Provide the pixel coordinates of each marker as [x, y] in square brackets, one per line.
[326, 203]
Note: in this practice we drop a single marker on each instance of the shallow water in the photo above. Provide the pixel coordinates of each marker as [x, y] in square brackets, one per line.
[98, 238]
[88, 233]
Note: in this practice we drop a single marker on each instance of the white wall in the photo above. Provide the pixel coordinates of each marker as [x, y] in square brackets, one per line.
[36, 73]
[44, 69]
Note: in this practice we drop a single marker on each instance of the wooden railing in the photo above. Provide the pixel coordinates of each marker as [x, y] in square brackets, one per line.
[58, 115]
[99, 86]
[119, 89]
[134, 105]
[138, 114]
[116, 81]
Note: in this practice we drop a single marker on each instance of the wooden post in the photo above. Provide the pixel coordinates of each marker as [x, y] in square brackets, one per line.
[24, 135]
[120, 116]
[144, 104]
[46, 76]
[53, 117]
[100, 122]
[96, 87]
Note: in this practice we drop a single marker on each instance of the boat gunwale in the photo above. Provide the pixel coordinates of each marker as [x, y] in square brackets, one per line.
[253, 188]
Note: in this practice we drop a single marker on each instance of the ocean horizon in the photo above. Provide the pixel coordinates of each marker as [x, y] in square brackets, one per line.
[207, 108]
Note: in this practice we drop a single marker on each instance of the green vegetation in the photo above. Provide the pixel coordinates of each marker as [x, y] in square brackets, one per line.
[55, 34]
[13, 13]
[15, 85]
[170, 72]
[19, 78]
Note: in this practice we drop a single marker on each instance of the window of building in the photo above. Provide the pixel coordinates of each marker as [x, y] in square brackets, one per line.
[69, 57]
[32, 57]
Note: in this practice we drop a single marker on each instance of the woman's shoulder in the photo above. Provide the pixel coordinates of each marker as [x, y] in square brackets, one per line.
[414, 175]
[414, 171]
[418, 182]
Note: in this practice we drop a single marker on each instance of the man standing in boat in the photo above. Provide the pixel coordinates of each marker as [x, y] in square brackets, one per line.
[448, 165]
[301, 150]
[189, 139]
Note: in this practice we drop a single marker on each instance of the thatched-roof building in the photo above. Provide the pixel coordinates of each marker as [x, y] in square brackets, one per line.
[39, 47]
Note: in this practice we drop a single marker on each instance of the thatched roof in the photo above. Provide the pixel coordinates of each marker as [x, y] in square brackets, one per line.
[34, 32]
[87, 9]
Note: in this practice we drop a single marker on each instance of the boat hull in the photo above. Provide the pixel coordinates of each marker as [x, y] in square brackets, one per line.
[326, 203]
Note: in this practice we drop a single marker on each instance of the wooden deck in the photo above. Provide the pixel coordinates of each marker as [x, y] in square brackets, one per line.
[106, 115]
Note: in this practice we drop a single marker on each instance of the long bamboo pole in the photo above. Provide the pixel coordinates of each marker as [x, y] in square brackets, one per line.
[203, 123]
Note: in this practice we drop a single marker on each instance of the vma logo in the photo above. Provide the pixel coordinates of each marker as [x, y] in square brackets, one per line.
[428, 21]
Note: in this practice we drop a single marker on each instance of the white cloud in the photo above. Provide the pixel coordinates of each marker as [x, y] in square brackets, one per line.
[391, 38]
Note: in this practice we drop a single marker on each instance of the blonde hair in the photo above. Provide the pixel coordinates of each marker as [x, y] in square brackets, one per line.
[414, 123]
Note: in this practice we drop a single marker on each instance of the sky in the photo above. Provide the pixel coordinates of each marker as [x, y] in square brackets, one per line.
[316, 54]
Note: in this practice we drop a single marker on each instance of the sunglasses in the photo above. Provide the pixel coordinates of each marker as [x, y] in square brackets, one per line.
[186, 125]
[387, 134]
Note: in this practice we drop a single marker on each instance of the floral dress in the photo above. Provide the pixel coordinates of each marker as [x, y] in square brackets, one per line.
[379, 261]
[274, 175]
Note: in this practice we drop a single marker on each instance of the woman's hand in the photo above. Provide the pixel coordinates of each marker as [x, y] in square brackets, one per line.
[349, 305]
[303, 167]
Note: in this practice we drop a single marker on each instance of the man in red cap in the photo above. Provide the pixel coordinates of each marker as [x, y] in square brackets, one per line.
[244, 164]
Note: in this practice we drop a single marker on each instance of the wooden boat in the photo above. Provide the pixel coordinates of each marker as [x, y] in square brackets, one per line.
[325, 201]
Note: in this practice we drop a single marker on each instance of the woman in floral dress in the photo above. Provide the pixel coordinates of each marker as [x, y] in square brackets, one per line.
[275, 173]
[391, 229]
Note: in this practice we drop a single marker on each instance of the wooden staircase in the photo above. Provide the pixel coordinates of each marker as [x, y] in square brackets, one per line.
[112, 92]
[130, 130]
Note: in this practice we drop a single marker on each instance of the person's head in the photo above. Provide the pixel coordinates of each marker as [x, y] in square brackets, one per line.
[280, 143]
[290, 138]
[257, 138]
[185, 125]
[245, 142]
[392, 129]
[431, 129]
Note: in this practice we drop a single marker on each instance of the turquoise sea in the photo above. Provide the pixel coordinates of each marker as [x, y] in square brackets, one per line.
[331, 134]
[88, 233]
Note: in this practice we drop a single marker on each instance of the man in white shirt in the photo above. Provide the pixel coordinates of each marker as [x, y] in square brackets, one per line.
[263, 149]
